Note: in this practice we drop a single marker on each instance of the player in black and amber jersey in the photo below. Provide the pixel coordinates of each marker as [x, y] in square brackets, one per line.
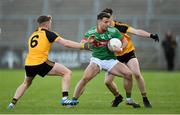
[37, 63]
[128, 57]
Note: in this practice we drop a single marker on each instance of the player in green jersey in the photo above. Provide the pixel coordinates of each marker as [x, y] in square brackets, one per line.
[103, 58]
[128, 57]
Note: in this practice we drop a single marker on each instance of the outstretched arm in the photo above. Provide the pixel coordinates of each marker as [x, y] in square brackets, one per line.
[143, 33]
[73, 44]
[69, 43]
[138, 32]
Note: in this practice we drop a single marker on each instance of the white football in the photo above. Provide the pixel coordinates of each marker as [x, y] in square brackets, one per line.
[114, 45]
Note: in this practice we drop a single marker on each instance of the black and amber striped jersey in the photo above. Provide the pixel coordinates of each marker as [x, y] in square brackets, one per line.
[39, 45]
[124, 29]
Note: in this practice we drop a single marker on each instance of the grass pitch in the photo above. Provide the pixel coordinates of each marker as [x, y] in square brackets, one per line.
[43, 97]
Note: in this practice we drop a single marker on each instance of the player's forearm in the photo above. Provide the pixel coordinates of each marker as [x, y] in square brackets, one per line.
[72, 44]
[142, 33]
[69, 43]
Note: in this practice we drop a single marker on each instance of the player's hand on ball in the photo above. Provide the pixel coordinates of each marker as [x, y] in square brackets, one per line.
[115, 45]
[117, 49]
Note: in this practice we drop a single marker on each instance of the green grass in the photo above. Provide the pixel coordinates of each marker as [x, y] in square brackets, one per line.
[44, 94]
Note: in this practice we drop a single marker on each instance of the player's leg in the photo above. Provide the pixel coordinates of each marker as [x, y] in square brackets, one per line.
[110, 84]
[20, 91]
[122, 69]
[113, 88]
[133, 64]
[124, 59]
[134, 67]
[90, 72]
[61, 70]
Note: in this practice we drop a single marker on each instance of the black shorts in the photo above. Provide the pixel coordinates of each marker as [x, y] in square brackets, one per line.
[42, 69]
[126, 57]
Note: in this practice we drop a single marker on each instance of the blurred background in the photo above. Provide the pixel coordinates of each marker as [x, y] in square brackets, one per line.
[72, 18]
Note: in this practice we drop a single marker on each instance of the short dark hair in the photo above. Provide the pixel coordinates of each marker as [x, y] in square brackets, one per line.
[108, 10]
[43, 18]
[102, 15]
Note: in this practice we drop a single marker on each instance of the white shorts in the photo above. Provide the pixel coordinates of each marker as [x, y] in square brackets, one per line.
[104, 64]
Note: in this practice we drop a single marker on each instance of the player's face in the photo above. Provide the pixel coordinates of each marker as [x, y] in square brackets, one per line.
[104, 23]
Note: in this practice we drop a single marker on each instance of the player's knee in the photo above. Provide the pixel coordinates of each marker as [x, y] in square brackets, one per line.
[128, 75]
[27, 84]
[68, 72]
[86, 79]
[137, 76]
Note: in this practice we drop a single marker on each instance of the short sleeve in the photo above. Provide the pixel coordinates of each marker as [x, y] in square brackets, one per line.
[115, 33]
[86, 35]
[122, 27]
[52, 36]
[85, 38]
